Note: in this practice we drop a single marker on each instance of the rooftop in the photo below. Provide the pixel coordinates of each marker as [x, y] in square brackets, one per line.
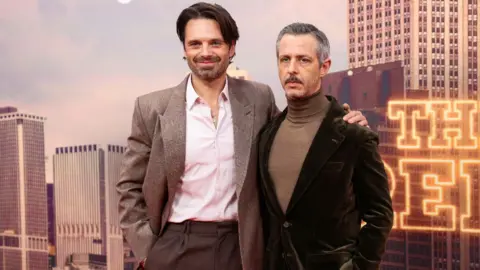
[8, 109]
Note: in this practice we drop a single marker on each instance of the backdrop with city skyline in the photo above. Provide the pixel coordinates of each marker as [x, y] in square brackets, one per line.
[80, 64]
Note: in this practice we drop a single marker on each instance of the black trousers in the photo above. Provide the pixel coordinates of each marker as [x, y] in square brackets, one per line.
[197, 246]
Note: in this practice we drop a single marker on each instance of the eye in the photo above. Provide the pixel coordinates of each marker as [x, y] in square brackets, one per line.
[284, 59]
[194, 44]
[305, 60]
[216, 43]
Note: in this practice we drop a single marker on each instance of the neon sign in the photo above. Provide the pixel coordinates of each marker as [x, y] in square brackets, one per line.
[435, 184]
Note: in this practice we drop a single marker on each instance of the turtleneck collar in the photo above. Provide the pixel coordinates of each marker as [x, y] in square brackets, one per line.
[301, 111]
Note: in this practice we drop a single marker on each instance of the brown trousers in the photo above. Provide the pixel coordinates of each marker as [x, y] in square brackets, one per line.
[197, 246]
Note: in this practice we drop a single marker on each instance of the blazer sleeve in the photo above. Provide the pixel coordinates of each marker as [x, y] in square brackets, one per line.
[132, 207]
[374, 202]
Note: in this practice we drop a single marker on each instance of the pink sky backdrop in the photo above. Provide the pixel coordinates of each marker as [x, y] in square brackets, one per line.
[81, 63]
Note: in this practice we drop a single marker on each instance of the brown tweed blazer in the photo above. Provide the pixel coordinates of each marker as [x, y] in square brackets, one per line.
[155, 158]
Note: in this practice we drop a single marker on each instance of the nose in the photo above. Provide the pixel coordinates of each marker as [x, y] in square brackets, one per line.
[292, 67]
[205, 49]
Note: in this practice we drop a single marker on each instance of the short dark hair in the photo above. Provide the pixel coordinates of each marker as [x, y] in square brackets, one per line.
[323, 48]
[202, 10]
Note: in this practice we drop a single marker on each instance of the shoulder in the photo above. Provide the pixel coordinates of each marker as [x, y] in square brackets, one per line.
[253, 89]
[360, 134]
[150, 105]
[158, 99]
[156, 102]
[249, 85]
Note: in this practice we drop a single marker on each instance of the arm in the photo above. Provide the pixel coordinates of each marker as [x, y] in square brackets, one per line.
[132, 208]
[374, 203]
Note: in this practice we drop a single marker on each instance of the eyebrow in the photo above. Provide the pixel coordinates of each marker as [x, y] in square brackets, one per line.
[211, 40]
[296, 56]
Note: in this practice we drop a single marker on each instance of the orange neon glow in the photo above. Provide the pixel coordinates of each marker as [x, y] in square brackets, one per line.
[431, 206]
[397, 111]
[436, 184]
[467, 168]
[428, 182]
[464, 112]
[457, 115]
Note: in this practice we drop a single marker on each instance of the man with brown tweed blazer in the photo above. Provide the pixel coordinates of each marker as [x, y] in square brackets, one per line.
[188, 186]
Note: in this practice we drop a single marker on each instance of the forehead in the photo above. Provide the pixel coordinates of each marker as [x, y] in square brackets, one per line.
[291, 45]
[202, 29]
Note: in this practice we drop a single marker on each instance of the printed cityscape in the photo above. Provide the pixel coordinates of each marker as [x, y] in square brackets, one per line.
[43, 222]
[413, 71]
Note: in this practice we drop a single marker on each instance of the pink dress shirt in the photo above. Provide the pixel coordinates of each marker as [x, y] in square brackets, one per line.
[206, 191]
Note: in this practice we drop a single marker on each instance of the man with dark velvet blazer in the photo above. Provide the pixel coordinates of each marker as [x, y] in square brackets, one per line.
[188, 188]
[320, 176]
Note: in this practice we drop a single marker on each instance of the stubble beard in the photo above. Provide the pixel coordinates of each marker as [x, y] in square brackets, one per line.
[209, 74]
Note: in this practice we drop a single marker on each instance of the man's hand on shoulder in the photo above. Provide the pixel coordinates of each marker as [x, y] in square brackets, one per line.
[354, 116]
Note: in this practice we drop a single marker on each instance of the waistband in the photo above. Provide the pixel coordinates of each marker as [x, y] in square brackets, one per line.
[203, 227]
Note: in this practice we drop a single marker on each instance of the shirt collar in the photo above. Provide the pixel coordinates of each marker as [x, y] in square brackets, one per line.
[192, 95]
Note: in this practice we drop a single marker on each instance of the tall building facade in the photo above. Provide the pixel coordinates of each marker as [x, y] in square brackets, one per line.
[23, 198]
[437, 41]
[52, 260]
[86, 203]
[115, 246]
[79, 180]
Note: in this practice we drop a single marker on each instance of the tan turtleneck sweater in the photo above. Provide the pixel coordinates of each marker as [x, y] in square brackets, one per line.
[292, 142]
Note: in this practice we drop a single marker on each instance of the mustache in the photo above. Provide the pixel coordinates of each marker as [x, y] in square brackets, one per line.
[213, 58]
[293, 79]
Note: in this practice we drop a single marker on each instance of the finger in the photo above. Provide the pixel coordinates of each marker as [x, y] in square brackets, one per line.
[346, 107]
[349, 115]
[356, 119]
[352, 114]
[364, 123]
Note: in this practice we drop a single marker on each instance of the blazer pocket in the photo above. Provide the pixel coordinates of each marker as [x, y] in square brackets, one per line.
[333, 166]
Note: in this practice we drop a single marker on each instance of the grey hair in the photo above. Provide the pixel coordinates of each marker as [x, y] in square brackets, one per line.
[323, 46]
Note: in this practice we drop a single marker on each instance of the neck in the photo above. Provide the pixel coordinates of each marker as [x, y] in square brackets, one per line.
[209, 90]
[304, 110]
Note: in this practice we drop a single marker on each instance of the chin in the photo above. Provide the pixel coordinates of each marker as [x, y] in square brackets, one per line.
[208, 74]
[294, 93]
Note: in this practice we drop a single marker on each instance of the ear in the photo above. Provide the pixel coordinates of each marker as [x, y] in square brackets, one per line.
[325, 67]
[231, 51]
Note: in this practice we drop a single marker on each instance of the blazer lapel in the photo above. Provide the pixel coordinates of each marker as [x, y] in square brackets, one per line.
[242, 117]
[173, 134]
[324, 145]
[265, 147]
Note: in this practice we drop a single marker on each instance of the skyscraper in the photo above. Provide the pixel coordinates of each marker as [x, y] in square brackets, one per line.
[23, 198]
[115, 246]
[437, 41]
[52, 261]
[86, 203]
